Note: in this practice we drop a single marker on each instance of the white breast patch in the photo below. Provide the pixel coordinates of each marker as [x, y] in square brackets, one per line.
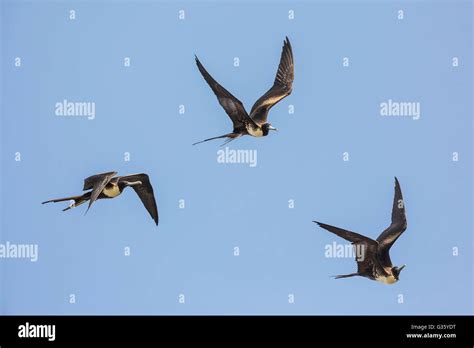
[255, 132]
[387, 280]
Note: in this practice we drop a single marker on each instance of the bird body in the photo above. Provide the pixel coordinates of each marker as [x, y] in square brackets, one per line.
[375, 262]
[256, 123]
[254, 131]
[390, 279]
[107, 186]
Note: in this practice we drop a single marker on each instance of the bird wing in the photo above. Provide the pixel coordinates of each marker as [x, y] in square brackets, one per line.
[396, 228]
[365, 247]
[97, 183]
[232, 106]
[145, 192]
[282, 86]
[91, 180]
[347, 235]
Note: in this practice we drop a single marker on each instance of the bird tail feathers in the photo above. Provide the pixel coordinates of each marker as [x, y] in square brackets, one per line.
[346, 275]
[78, 200]
[72, 198]
[229, 135]
[76, 203]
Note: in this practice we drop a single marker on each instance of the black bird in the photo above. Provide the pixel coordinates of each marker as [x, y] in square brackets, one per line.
[256, 124]
[107, 185]
[374, 260]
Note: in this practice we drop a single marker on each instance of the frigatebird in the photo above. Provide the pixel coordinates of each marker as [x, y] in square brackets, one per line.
[108, 185]
[256, 124]
[374, 259]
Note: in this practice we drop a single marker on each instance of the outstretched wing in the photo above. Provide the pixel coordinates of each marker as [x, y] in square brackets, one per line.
[347, 235]
[97, 183]
[399, 224]
[232, 106]
[92, 180]
[282, 86]
[145, 192]
[365, 247]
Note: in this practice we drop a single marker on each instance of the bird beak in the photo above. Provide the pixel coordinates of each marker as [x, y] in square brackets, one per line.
[273, 128]
[401, 268]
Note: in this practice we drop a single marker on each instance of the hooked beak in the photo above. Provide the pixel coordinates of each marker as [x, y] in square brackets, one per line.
[273, 128]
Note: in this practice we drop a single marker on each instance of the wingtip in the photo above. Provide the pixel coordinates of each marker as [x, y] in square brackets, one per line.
[87, 208]
[397, 183]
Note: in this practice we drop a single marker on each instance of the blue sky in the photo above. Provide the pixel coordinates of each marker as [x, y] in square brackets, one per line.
[337, 110]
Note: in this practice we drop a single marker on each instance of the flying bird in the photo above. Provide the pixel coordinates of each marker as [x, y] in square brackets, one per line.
[373, 261]
[108, 185]
[256, 123]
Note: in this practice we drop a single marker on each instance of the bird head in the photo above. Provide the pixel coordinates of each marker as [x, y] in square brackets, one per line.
[267, 127]
[396, 271]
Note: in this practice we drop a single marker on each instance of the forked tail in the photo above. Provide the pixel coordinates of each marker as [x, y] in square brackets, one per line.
[231, 137]
[346, 275]
[78, 200]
